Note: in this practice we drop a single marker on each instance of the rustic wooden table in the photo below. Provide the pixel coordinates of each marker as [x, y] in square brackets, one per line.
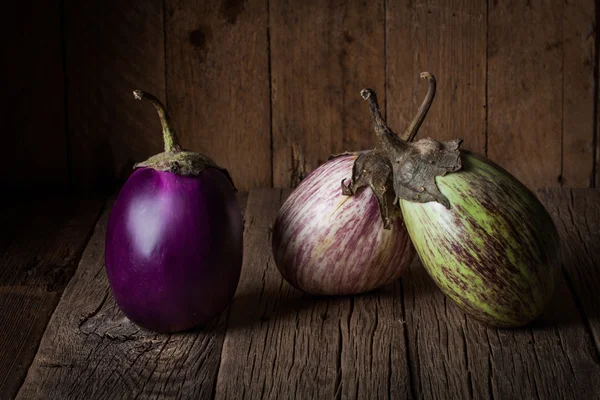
[404, 341]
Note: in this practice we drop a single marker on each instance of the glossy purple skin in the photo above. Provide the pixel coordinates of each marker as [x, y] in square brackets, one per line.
[174, 248]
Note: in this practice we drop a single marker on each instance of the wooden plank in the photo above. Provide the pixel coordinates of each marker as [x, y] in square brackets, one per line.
[451, 354]
[435, 338]
[112, 48]
[218, 83]
[338, 49]
[35, 266]
[33, 104]
[525, 89]
[577, 216]
[579, 59]
[91, 350]
[448, 39]
[283, 344]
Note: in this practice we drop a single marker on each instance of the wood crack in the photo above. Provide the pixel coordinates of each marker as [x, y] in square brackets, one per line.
[91, 314]
[466, 358]
[338, 377]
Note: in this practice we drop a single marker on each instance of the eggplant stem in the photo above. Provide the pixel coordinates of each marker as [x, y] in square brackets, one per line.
[169, 134]
[414, 126]
[386, 135]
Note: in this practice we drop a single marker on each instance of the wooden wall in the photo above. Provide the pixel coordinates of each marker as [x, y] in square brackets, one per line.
[270, 88]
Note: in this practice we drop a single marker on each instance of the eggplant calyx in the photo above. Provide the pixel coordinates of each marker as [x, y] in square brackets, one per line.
[409, 167]
[174, 159]
[371, 168]
[184, 163]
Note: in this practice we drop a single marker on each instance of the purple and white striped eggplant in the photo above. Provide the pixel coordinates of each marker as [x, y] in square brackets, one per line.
[327, 243]
[484, 238]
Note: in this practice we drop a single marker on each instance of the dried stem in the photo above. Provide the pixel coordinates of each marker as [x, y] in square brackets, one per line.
[386, 135]
[414, 126]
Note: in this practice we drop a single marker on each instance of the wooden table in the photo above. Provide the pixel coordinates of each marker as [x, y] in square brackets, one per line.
[403, 341]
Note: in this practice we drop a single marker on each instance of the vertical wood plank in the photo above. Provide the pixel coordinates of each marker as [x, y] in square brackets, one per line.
[436, 344]
[283, 344]
[579, 59]
[33, 102]
[112, 48]
[597, 109]
[322, 55]
[525, 62]
[218, 84]
[448, 39]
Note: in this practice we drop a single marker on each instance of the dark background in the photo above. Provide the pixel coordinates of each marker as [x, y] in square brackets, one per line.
[269, 88]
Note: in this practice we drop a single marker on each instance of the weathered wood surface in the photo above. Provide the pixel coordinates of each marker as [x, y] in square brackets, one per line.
[403, 341]
[32, 108]
[218, 83]
[40, 245]
[322, 55]
[112, 48]
[269, 88]
[448, 39]
[525, 80]
[579, 88]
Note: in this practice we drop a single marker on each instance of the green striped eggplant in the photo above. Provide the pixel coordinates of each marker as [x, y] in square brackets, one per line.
[484, 238]
[495, 251]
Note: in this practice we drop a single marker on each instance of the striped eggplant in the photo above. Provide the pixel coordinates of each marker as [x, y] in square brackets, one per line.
[484, 238]
[495, 251]
[326, 243]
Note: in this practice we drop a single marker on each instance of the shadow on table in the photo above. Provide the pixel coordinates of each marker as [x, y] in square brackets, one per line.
[560, 312]
[286, 304]
[290, 306]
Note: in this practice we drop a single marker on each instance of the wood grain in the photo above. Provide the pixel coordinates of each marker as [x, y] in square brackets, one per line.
[448, 39]
[525, 89]
[91, 350]
[218, 83]
[437, 349]
[577, 216]
[322, 56]
[33, 97]
[112, 48]
[282, 343]
[35, 266]
[579, 59]
[597, 110]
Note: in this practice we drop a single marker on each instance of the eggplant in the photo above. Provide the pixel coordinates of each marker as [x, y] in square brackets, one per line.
[325, 243]
[485, 239]
[495, 251]
[174, 238]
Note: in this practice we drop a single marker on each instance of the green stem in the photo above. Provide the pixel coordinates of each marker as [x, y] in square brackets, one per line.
[169, 134]
[414, 126]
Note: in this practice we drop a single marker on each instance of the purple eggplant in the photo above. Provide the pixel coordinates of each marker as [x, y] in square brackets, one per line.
[174, 238]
